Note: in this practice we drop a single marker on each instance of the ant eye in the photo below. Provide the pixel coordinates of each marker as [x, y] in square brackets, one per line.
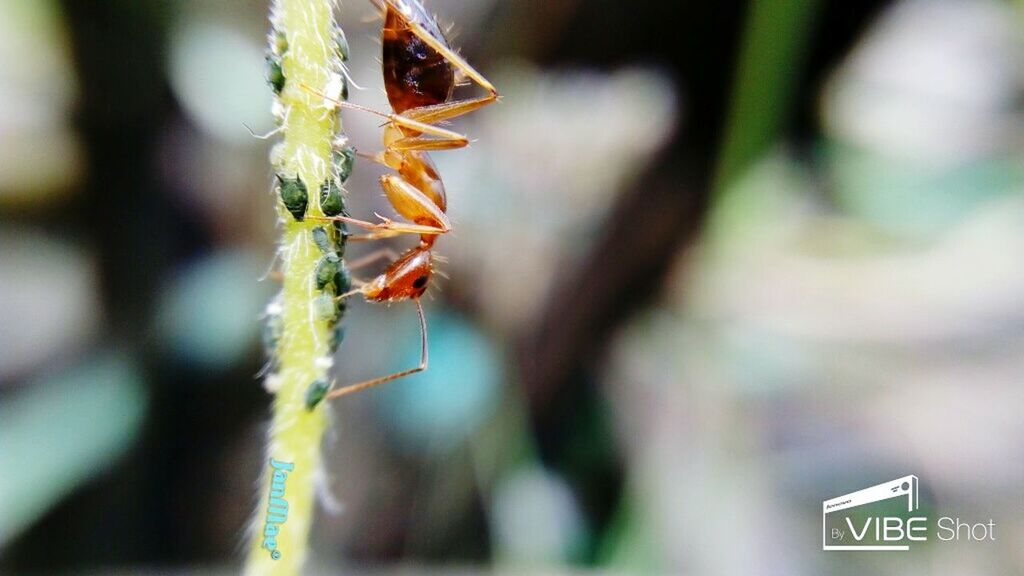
[420, 282]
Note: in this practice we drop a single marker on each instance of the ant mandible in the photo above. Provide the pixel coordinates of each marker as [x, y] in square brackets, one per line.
[419, 77]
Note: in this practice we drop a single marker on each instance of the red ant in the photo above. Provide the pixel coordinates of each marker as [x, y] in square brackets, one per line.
[419, 77]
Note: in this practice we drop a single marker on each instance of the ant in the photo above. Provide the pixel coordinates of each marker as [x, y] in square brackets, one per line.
[420, 74]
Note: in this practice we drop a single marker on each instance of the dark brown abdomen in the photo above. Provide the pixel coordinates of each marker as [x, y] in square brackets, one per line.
[414, 73]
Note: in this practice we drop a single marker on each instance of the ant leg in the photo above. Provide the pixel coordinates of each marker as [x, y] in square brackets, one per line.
[440, 113]
[398, 119]
[443, 139]
[372, 257]
[408, 201]
[420, 143]
[386, 229]
[413, 204]
[424, 358]
[350, 293]
[378, 158]
[449, 110]
[369, 237]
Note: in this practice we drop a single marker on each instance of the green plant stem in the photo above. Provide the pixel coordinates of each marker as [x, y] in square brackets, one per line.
[304, 44]
[770, 62]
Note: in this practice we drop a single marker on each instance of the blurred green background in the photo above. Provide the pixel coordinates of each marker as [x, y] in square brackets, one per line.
[713, 263]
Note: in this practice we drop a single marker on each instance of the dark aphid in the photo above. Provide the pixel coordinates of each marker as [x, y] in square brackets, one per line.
[272, 334]
[316, 393]
[341, 230]
[338, 335]
[341, 309]
[273, 328]
[342, 280]
[326, 269]
[322, 240]
[325, 308]
[332, 203]
[294, 195]
[275, 73]
[344, 158]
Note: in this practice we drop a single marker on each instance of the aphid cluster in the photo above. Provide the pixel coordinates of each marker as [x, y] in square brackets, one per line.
[421, 72]
[300, 200]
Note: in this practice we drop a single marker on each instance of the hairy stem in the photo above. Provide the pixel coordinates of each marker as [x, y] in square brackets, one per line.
[311, 164]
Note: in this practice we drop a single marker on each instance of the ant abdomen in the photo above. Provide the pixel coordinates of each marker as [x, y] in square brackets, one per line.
[415, 74]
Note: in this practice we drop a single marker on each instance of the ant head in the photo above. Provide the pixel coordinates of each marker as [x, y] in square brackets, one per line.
[405, 279]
